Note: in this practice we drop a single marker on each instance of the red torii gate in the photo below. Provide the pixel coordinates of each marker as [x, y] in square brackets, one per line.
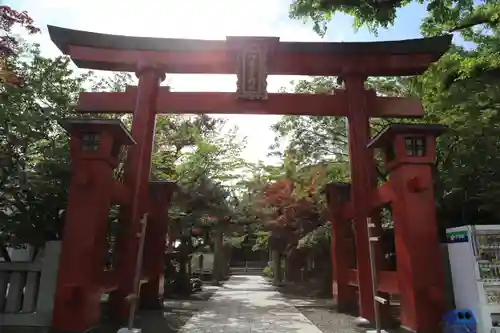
[252, 59]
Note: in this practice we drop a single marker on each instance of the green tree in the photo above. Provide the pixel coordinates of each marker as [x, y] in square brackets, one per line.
[454, 93]
[469, 105]
[33, 147]
[456, 15]
[476, 21]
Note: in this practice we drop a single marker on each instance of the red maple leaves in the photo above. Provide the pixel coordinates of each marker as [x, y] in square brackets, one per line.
[9, 45]
[291, 212]
[279, 193]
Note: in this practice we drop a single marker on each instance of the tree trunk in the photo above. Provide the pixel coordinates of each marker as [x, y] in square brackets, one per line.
[277, 272]
[5, 254]
[218, 257]
[226, 250]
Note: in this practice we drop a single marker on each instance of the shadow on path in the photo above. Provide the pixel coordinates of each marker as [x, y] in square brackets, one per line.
[173, 316]
[248, 303]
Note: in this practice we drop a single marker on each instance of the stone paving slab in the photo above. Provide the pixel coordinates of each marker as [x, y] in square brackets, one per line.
[192, 304]
[248, 304]
[309, 302]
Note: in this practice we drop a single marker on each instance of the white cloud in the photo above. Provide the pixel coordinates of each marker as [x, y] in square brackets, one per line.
[184, 19]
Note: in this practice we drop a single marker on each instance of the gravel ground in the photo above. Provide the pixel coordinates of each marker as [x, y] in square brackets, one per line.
[319, 309]
[330, 321]
[176, 312]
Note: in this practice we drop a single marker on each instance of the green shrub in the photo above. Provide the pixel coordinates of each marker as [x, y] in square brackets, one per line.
[268, 271]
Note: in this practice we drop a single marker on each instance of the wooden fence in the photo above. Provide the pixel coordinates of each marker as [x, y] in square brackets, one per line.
[207, 263]
[27, 289]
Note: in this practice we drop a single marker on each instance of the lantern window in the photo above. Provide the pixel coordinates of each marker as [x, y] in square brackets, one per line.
[415, 146]
[91, 142]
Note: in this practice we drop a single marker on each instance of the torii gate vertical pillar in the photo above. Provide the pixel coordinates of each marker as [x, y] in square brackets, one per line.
[337, 194]
[362, 185]
[136, 178]
[160, 194]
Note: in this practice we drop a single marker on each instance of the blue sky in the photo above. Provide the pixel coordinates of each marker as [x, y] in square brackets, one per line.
[204, 19]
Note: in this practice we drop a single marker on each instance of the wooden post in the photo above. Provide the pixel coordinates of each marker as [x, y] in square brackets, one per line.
[48, 280]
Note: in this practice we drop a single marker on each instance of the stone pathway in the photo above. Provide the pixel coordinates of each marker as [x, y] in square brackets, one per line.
[248, 304]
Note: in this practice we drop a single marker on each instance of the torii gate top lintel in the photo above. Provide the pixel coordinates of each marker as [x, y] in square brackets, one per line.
[190, 56]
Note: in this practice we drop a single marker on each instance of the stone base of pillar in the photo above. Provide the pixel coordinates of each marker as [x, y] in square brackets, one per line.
[129, 330]
[403, 329]
[347, 300]
[119, 307]
[151, 304]
[348, 308]
[362, 322]
[365, 323]
[94, 329]
[152, 294]
[81, 314]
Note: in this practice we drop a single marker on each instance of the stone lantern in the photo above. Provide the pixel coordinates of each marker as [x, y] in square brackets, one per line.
[95, 147]
[408, 144]
[410, 154]
[97, 139]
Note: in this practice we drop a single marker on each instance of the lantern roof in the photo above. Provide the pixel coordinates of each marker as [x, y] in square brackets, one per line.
[78, 127]
[382, 138]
